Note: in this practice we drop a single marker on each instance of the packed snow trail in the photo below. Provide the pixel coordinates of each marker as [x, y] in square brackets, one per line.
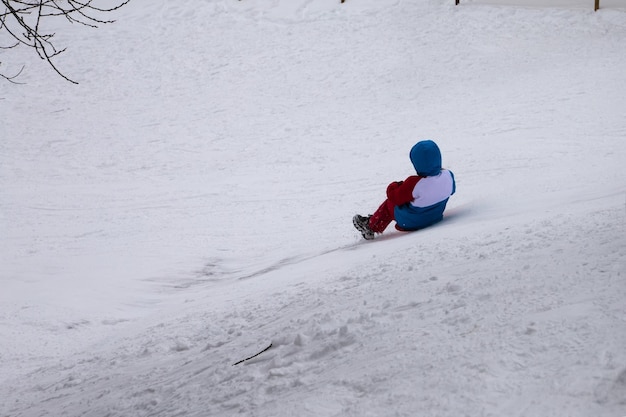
[477, 322]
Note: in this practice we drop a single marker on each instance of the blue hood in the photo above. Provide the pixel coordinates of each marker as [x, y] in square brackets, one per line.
[426, 158]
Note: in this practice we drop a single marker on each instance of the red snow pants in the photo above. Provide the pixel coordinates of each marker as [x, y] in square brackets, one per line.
[382, 217]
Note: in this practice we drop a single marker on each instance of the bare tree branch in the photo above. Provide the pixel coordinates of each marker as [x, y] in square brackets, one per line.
[11, 78]
[23, 21]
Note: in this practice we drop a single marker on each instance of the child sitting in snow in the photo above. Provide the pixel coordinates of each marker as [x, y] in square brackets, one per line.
[416, 202]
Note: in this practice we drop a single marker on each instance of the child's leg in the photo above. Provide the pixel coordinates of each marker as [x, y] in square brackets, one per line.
[382, 217]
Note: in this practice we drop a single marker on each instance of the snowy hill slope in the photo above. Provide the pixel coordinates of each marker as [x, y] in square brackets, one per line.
[189, 203]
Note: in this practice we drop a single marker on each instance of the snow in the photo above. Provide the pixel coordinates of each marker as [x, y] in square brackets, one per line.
[190, 202]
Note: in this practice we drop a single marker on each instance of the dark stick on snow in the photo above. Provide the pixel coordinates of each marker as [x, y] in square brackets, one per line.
[253, 356]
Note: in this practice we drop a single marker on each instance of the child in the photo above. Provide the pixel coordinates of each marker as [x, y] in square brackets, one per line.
[416, 202]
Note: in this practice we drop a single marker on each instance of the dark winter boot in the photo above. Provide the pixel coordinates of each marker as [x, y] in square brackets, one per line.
[362, 224]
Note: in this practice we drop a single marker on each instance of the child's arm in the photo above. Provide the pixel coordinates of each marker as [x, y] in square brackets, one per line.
[401, 192]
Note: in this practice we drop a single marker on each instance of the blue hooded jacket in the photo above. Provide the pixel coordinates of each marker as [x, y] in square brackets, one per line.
[431, 191]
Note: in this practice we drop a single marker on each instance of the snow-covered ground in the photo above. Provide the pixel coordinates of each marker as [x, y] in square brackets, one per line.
[189, 203]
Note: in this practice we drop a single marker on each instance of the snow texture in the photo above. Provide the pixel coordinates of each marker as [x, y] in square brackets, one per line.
[190, 202]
